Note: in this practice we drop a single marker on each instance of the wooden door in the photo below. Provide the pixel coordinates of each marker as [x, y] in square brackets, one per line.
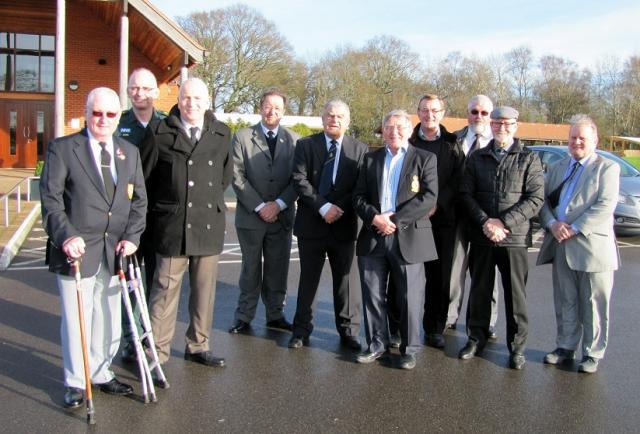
[25, 129]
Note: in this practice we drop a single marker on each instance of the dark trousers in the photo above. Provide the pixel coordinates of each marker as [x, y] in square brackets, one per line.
[382, 266]
[438, 273]
[347, 298]
[513, 267]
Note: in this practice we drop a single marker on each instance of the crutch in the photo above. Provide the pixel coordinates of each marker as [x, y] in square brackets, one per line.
[75, 265]
[137, 287]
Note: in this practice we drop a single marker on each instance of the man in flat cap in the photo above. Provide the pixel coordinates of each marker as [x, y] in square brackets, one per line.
[502, 189]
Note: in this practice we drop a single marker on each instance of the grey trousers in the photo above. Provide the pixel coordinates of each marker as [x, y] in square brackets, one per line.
[101, 297]
[165, 297]
[581, 302]
[264, 272]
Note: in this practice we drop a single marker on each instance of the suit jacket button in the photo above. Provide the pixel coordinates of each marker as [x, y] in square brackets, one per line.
[210, 184]
[190, 204]
[106, 234]
[208, 205]
[208, 226]
[188, 225]
[191, 183]
[190, 162]
[110, 213]
[210, 163]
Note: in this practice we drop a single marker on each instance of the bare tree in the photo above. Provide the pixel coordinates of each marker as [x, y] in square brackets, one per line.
[563, 89]
[246, 54]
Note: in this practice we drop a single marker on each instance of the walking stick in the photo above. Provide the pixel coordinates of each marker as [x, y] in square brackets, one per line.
[75, 264]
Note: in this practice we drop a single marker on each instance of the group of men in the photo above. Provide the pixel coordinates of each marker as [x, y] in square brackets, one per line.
[414, 212]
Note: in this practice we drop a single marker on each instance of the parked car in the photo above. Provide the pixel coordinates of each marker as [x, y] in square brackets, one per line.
[627, 212]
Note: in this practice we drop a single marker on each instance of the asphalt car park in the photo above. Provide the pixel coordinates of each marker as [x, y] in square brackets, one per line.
[269, 388]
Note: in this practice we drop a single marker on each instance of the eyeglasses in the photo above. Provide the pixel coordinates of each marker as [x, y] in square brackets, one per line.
[432, 111]
[506, 125]
[110, 115]
[476, 112]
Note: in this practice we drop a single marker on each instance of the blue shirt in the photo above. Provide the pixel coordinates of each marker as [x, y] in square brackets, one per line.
[391, 178]
[569, 187]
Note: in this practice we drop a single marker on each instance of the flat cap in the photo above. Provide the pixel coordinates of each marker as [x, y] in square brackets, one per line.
[504, 112]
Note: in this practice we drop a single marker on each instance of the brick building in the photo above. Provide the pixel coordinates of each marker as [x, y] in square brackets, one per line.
[40, 100]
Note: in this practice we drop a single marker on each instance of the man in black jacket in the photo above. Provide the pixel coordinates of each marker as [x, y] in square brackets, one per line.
[397, 186]
[432, 136]
[187, 165]
[502, 189]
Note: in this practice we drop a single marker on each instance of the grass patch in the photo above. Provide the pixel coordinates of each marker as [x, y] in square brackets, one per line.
[634, 160]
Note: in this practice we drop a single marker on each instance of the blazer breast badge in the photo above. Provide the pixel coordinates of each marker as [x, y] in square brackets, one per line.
[415, 184]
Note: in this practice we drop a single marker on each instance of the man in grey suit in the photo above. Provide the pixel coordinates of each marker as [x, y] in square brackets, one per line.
[580, 243]
[263, 162]
[93, 206]
[397, 187]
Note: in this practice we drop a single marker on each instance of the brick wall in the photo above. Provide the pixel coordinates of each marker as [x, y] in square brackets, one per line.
[88, 40]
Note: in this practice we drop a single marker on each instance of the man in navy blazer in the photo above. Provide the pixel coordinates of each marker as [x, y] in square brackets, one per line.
[397, 187]
[324, 175]
[93, 206]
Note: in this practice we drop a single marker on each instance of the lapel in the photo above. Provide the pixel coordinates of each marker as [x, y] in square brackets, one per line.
[82, 150]
[379, 172]
[120, 160]
[260, 141]
[281, 145]
[320, 151]
[406, 164]
[558, 174]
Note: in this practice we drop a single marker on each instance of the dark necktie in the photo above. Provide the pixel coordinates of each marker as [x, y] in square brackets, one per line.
[105, 168]
[475, 145]
[271, 141]
[326, 178]
[194, 135]
[554, 196]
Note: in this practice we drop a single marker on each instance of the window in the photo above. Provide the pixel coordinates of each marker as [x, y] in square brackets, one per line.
[27, 62]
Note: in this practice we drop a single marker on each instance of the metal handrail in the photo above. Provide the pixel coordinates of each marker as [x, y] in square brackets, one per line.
[17, 190]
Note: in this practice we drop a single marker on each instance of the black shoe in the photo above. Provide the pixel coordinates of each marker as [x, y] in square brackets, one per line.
[73, 397]
[298, 341]
[517, 361]
[204, 358]
[114, 387]
[350, 342]
[395, 340]
[435, 340]
[128, 354]
[239, 326]
[280, 324]
[492, 333]
[407, 361]
[369, 357]
[469, 351]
